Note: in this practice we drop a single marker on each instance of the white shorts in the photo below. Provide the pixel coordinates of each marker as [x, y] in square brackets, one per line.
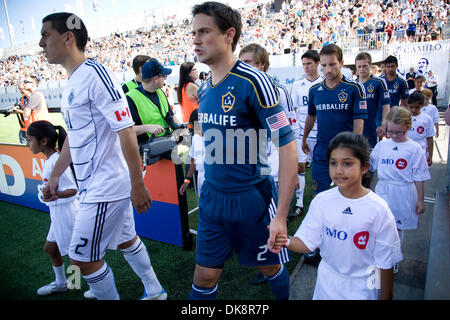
[331, 285]
[62, 218]
[401, 199]
[303, 157]
[101, 226]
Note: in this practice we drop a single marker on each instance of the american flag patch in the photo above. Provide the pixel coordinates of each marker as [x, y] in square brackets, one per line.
[277, 121]
[363, 105]
[386, 95]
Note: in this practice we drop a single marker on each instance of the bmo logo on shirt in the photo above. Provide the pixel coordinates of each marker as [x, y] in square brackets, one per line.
[336, 234]
[420, 129]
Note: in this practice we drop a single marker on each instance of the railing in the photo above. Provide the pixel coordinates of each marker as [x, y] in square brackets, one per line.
[364, 42]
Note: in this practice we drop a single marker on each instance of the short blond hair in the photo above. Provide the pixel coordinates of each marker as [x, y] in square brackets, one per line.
[428, 93]
[400, 116]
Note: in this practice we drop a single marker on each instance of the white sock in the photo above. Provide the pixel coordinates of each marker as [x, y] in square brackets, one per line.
[102, 284]
[300, 191]
[60, 275]
[139, 260]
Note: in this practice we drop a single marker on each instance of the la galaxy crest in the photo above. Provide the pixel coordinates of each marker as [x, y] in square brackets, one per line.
[342, 96]
[370, 88]
[228, 101]
[396, 85]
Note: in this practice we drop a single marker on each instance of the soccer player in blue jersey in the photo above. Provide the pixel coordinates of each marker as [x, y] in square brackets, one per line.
[238, 209]
[339, 104]
[397, 86]
[377, 96]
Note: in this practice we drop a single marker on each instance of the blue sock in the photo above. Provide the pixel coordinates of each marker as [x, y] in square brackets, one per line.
[280, 284]
[201, 293]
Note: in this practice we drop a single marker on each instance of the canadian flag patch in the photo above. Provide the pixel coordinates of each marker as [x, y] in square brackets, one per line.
[125, 113]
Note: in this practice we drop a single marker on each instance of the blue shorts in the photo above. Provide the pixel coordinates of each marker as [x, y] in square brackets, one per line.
[320, 169]
[237, 222]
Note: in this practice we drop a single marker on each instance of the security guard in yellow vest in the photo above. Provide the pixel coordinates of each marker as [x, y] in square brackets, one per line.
[148, 104]
[137, 64]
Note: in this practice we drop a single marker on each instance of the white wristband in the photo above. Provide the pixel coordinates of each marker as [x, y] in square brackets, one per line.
[287, 242]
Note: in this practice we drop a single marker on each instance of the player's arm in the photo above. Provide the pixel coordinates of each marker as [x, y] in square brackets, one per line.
[309, 122]
[140, 197]
[387, 284]
[66, 193]
[287, 175]
[64, 160]
[292, 243]
[358, 126]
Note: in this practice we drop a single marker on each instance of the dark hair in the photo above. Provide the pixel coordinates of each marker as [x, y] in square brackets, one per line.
[202, 76]
[364, 56]
[332, 49]
[420, 77]
[353, 141]
[194, 116]
[416, 96]
[65, 21]
[391, 59]
[44, 129]
[224, 16]
[185, 69]
[311, 54]
[138, 62]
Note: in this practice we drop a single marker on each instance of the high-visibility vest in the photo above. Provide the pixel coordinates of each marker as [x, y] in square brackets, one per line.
[149, 113]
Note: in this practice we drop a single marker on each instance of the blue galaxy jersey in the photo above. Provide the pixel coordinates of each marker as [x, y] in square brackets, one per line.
[377, 95]
[232, 115]
[398, 89]
[336, 108]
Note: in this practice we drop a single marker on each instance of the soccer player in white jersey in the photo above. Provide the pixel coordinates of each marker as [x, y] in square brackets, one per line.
[353, 227]
[402, 170]
[300, 90]
[102, 145]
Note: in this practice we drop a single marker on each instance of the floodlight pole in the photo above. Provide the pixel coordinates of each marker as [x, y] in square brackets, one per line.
[9, 24]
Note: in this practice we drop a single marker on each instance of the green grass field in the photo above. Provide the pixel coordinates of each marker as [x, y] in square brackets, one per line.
[25, 267]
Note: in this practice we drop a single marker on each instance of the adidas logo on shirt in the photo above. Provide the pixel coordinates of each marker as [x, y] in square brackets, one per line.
[347, 211]
[395, 149]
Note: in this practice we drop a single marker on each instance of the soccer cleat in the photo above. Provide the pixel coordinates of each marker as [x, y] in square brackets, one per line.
[89, 294]
[50, 288]
[395, 268]
[297, 211]
[159, 296]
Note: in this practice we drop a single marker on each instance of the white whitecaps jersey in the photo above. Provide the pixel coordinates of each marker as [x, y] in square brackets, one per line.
[401, 162]
[94, 109]
[352, 234]
[421, 129]
[299, 94]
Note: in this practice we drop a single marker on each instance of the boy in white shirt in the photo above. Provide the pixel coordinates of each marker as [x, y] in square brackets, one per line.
[422, 130]
[431, 110]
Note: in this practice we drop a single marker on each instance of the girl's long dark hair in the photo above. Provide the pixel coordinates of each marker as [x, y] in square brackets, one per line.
[185, 69]
[55, 135]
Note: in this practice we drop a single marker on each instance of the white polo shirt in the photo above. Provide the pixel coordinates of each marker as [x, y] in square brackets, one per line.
[95, 109]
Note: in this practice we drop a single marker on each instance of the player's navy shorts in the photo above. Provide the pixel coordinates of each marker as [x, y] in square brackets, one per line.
[237, 222]
[320, 169]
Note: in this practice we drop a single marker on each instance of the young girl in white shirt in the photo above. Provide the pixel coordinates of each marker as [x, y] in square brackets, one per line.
[353, 227]
[42, 136]
[402, 169]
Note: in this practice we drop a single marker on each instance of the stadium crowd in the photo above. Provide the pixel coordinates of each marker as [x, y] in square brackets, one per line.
[298, 26]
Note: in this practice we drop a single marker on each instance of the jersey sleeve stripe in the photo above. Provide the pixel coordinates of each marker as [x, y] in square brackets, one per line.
[267, 89]
[103, 79]
[282, 90]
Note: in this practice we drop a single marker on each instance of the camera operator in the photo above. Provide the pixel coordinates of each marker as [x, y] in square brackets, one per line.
[33, 105]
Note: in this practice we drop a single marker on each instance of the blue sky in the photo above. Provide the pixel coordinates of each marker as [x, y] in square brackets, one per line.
[28, 11]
